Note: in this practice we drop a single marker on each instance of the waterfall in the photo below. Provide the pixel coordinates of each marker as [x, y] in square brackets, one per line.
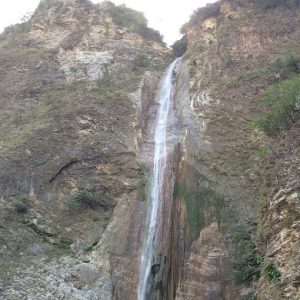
[159, 164]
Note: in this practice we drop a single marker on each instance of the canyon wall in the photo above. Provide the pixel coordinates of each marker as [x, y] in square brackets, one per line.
[76, 83]
[78, 89]
[240, 184]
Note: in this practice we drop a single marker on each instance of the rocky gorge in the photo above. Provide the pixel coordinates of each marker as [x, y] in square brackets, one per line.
[79, 104]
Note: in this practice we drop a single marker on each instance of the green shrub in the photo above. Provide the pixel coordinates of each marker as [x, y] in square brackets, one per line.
[21, 205]
[149, 33]
[86, 198]
[211, 10]
[63, 243]
[246, 259]
[288, 65]
[230, 61]
[261, 152]
[133, 21]
[282, 100]
[272, 272]
[179, 47]
[144, 188]
[39, 230]
[155, 269]
[159, 287]
[141, 60]
[275, 3]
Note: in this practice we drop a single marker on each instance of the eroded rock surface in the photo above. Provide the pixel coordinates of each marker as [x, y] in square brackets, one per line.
[72, 83]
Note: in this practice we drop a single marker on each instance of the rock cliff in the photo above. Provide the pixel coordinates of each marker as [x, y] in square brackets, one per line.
[78, 84]
[75, 81]
[245, 181]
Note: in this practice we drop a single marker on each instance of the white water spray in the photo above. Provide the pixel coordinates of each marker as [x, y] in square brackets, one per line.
[159, 164]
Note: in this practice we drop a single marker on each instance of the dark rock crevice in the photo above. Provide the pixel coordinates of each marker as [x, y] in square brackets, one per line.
[66, 166]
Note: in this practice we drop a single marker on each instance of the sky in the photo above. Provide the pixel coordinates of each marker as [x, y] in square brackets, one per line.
[167, 16]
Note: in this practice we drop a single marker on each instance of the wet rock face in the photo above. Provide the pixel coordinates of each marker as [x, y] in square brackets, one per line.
[224, 76]
[204, 272]
[71, 84]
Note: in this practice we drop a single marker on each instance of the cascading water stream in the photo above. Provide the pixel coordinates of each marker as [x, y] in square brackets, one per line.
[159, 165]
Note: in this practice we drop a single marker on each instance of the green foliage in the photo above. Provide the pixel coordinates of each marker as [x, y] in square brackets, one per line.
[91, 247]
[275, 3]
[246, 259]
[155, 269]
[179, 47]
[282, 100]
[218, 204]
[230, 61]
[85, 198]
[141, 60]
[39, 231]
[144, 189]
[261, 152]
[127, 17]
[203, 205]
[287, 65]
[272, 272]
[149, 33]
[63, 243]
[21, 205]
[210, 11]
[133, 20]
[159, 287]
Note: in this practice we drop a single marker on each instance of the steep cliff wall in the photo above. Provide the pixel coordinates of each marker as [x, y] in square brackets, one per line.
[241, 184]
[75, 81]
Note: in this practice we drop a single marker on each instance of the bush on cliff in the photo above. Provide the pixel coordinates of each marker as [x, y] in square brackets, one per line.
[88, 199]
[179, 47]
[247, 262]
[273, 274]
[133, 20]
[21, 204]
[283, 103]
[287, 65]
[274, 3]
[211, 10]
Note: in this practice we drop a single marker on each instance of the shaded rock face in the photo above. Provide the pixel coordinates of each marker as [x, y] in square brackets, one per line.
[228, 65]
[204, 272]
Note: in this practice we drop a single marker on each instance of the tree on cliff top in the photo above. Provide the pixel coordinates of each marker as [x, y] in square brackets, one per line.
[179, 47]
[133, 20]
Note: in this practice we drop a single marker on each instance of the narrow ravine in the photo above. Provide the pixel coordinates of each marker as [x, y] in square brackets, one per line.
[154, 229]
